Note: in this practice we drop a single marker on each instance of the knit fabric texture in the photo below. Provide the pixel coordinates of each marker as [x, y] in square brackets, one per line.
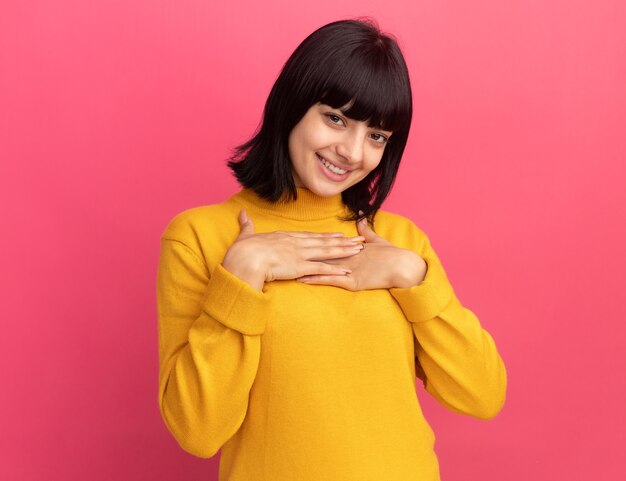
[311, 382]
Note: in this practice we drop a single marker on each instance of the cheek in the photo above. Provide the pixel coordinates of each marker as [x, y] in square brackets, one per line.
[304, 139]
[316, 140]
[298, 153]
[296, 146]
[374, 158]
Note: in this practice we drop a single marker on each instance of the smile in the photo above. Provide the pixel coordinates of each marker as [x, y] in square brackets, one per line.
[333, 168]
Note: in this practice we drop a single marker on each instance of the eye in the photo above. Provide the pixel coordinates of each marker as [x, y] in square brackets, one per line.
[334, 119]
[380, 138]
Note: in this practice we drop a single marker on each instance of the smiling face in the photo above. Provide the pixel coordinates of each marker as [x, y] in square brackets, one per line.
[330, 152]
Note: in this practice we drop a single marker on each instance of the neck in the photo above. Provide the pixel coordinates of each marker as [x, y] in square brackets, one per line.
[307, 206]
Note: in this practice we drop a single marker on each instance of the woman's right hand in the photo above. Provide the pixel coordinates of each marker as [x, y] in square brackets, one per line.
[259, 258]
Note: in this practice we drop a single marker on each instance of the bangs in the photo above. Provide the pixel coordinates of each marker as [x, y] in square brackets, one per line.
[370, 89]
[353, 67]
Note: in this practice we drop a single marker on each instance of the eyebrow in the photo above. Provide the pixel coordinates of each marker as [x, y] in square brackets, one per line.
[344, 110]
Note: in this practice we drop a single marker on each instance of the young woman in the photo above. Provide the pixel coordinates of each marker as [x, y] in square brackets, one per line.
[295, 316]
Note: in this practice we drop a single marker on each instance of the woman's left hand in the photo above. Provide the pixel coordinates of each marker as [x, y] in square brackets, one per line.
[380, 265]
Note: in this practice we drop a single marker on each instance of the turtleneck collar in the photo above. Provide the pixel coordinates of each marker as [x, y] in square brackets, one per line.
[308, 205]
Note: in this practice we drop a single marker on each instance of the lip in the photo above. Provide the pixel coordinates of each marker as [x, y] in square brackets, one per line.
[336, 164]
[331, 175]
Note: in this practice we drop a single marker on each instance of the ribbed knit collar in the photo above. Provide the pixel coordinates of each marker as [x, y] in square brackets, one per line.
[308, 206]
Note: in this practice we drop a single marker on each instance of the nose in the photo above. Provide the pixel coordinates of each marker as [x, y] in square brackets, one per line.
[351, 146]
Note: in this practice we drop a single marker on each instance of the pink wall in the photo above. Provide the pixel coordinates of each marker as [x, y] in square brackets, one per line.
[117, 115]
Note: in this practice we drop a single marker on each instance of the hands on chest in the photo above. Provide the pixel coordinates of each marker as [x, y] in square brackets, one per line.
[367, 261]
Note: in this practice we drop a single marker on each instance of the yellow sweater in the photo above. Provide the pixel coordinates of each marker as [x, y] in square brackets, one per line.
[309, 382]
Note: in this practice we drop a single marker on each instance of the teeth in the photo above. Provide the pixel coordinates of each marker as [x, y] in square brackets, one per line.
[331, 167]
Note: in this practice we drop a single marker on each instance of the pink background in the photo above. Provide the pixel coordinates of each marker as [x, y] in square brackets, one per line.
[115, 116]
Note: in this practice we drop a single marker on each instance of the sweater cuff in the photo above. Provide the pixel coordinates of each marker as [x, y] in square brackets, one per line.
[425, 301]
[235, 303]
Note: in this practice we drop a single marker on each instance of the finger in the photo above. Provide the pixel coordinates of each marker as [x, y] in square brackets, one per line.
[312, 234]
[323, 253]
[366, 231]
[329, 241]
[322, 268]
[246, 225]
[345, 282]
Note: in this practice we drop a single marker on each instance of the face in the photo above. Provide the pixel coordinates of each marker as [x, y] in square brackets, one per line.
[330, 152]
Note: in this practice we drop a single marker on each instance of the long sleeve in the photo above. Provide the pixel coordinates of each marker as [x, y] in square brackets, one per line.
[210, 327]
[461, 364]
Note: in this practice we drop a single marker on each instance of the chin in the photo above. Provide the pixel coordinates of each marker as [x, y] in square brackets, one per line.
[327, 190]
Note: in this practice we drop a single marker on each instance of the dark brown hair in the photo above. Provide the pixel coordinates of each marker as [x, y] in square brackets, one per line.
[347, 61]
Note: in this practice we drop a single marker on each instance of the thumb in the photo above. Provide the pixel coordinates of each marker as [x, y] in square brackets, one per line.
[245, 223]
[366, 231]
